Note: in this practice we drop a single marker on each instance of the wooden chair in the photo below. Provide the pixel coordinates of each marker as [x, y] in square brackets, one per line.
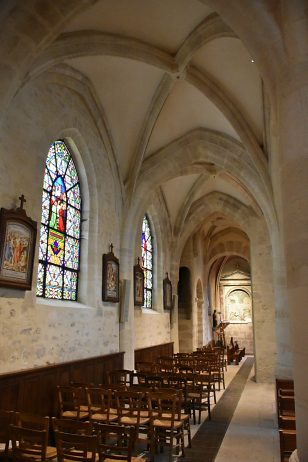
[287, 443]
[120, 377]
[77, 427]
[286, 410]
[116, 442]
[178, 387]
[75, 447]
[215, 370]
[37, 422]
[167, 425]
[6, 419]
[70, 402]
[145, 366]
[198, 394]
[28, 444]
[132, 411]
[99, 404]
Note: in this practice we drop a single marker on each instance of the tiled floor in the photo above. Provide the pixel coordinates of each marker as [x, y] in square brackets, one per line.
[243, 426]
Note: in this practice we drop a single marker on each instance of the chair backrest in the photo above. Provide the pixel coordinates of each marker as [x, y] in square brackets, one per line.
[71, 426]
[129, 403]
[69, 399]
[120, 377]
[75, 447]
[99, 400]
[165, 405]
[33, 421]
[115, 442]
[28, 444]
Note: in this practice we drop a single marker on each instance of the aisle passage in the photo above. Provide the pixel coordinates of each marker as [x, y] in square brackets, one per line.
[243, 426]
[208, 439]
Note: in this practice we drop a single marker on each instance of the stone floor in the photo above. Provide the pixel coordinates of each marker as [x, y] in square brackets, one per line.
[243, 425]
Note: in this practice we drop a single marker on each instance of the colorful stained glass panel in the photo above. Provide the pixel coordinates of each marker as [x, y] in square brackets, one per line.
[60, 226]
[70, 285]
[71, 253]
[55, 247]
[43, 242]
[147, 260]
[54, 280]
[73, 196]
[73, 222]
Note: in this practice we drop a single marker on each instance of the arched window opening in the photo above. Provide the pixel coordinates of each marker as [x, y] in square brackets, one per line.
[147, 261]
[59, 250]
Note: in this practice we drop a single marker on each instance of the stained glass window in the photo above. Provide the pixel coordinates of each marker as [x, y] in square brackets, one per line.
[60, 227]
[147, 261]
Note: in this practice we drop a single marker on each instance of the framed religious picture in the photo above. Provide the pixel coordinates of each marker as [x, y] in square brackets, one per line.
[111, 286]
[17, 247]
[167, 289]
[138, 285]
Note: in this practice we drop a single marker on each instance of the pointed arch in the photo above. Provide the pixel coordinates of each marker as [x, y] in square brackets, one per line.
[60, 232]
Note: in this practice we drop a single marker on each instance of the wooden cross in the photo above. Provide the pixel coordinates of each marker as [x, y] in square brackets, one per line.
[138, 261]
[22, 200]
[111, 248]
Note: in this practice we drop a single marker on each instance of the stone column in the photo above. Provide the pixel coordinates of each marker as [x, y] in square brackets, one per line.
[263, 302]
[294, 187]
[126, 328]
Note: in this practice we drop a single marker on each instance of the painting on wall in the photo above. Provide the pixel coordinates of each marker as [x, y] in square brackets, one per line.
[111, 285]
[138, 285]
[17, 247]
[238, 304]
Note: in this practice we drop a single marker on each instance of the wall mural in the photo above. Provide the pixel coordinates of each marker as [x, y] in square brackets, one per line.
[238, 304]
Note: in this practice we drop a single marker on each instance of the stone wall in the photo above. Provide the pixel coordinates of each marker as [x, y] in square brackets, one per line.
[151, 328]
[243, 334]
[35, 332]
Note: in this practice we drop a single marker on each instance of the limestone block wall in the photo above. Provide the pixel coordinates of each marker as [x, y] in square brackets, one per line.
[243, 334]
[35, 332]
[151, 328]
[185, 336]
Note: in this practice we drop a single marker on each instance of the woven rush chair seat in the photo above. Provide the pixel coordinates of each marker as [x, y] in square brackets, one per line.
[70, 402]
[116, 442]
[99, 404]
[167, 425]
[28, 444]
[76, 447]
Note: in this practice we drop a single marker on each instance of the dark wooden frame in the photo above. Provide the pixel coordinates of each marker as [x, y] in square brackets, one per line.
[17, 274]
[167, 289]
[138, 280]
[110, 262]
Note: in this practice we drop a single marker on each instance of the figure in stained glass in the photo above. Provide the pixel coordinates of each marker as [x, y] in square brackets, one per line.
[60, 231]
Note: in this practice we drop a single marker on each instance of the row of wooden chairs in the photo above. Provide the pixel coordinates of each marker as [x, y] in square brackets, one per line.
[286, 417]
[156, 415]
[118, 404]
[27, 440]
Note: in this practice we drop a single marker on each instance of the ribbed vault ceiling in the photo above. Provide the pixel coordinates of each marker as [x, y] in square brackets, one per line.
[161, 69]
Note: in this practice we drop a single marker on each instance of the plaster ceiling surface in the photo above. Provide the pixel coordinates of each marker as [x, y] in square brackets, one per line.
[186, 109]
[142, 114]
[222, 59]
[176, 191]
[162, 23]
[125, 89]
[226, 185]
